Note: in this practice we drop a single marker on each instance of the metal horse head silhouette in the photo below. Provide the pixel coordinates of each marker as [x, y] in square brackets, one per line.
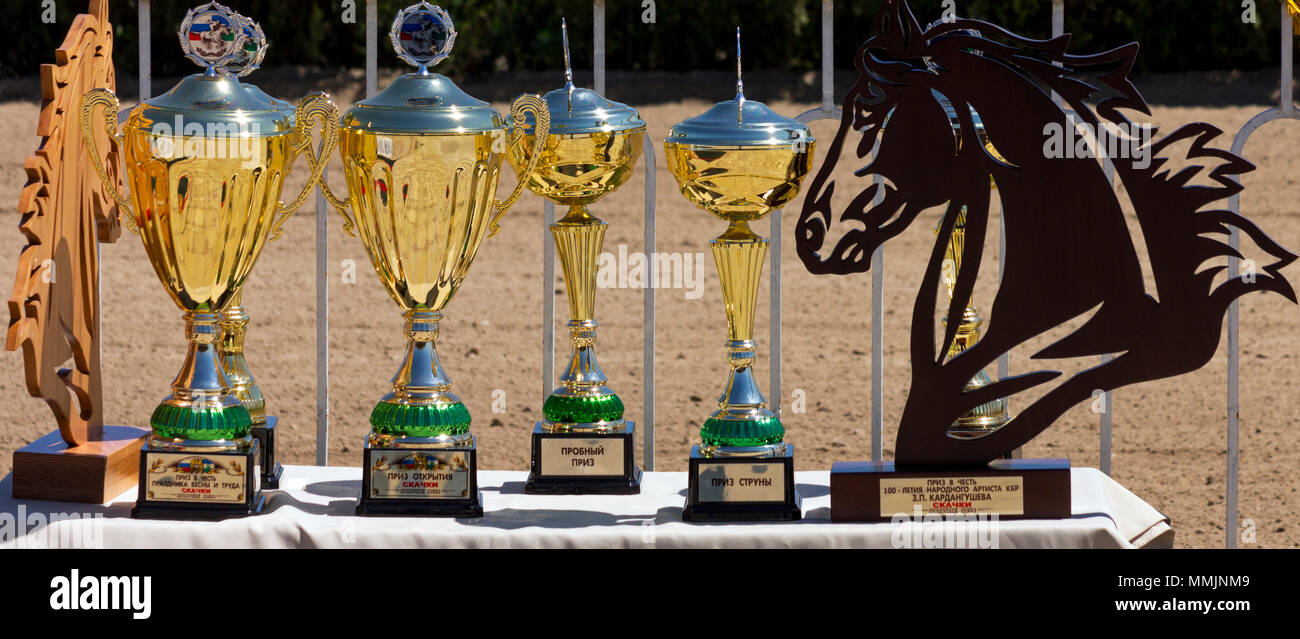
[918, 98]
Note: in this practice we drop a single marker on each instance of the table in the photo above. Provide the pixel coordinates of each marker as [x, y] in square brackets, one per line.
[314, 509]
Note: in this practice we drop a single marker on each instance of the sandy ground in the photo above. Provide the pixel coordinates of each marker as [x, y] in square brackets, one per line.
[1169, 436]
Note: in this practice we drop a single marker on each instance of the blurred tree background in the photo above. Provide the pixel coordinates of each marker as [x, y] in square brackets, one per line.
[514, 35]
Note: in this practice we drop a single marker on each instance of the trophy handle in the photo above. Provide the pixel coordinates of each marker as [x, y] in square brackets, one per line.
[542, 116]
[312, 108]
[105, 98]
[340, 207]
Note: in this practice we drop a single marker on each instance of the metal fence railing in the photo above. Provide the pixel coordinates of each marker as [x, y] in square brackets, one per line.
[1286, 109]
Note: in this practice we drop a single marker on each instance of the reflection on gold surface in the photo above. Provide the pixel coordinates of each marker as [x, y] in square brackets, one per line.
[421, 207]
[579, 169]
[204, 216]
[738, 183]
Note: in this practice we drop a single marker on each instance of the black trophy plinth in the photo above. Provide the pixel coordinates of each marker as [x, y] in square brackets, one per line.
[206, 486]
[420, 482]
[742, 488]
[271, 469]
[1007, 488]
[584, 463]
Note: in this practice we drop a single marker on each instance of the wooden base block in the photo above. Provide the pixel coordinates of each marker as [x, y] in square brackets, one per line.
[1008, 488]
[91, 473]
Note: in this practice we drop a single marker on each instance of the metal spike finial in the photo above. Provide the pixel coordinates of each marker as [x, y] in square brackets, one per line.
[568, 68]
[740, 84]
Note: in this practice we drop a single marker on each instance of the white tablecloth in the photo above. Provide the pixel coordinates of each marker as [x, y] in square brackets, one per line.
[314, 509]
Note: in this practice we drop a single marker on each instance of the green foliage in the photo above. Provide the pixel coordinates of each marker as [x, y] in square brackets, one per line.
[501, 35]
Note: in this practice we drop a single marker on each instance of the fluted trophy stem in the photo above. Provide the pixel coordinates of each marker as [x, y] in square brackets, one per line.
[583, 399]
[742, 424]
[986, 417]
[201, 407]
[421, 406]
[234, 329]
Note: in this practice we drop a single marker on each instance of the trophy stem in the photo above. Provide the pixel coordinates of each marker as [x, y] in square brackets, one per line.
[742, 425]
[234, 327]
[986, 417]
[583, 400]
[201, 412]
[421, 406]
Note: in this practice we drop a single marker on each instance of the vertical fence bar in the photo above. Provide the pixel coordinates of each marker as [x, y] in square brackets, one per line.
[548, 300]
[372, 48]
[1285, 110]
[1287, 88]
[774, 310]
[648, 329]
[827, 111]
[878, 342]
[146, 52]
[322, 328]
[1107, 416]
[828, 56]
[598, 29]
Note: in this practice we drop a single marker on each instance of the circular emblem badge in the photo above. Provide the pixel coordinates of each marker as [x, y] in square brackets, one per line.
[250, 55]
[211, 35]
[422, 34]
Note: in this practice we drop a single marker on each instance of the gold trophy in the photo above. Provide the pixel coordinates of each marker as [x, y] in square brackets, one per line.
[234, 319]
[987, 417]
[738, 161]
[583, 444]
[206, 163]
[422, 159]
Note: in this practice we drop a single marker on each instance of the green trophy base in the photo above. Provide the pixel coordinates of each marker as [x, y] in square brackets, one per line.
[742, 488]
[420, 482]
[584, 463]
[1007, 488]
[199, 485]
[271, 469]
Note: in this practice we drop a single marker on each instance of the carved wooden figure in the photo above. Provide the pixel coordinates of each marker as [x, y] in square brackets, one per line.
[54, 309]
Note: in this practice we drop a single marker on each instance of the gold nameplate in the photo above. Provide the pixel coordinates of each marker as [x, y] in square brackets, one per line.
[419, 475]
[569, 456]
[952, 495]
[742, 482]
[195, 477]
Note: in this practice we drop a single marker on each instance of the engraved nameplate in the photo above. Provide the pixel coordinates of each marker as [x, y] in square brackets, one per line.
[571, 456]
[742, 482]
[196, 477]
[398, 474]
[952, 495]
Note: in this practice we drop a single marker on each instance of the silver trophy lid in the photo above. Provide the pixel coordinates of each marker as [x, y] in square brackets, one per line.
[576, 111]
[212, 36]
[423, 101]
[739, 122]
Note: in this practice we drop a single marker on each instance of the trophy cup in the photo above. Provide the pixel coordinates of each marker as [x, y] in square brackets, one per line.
[206, 162]
[422, 159]
[583, 444]
[987, 417]
[738, 161]
[234, 319]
